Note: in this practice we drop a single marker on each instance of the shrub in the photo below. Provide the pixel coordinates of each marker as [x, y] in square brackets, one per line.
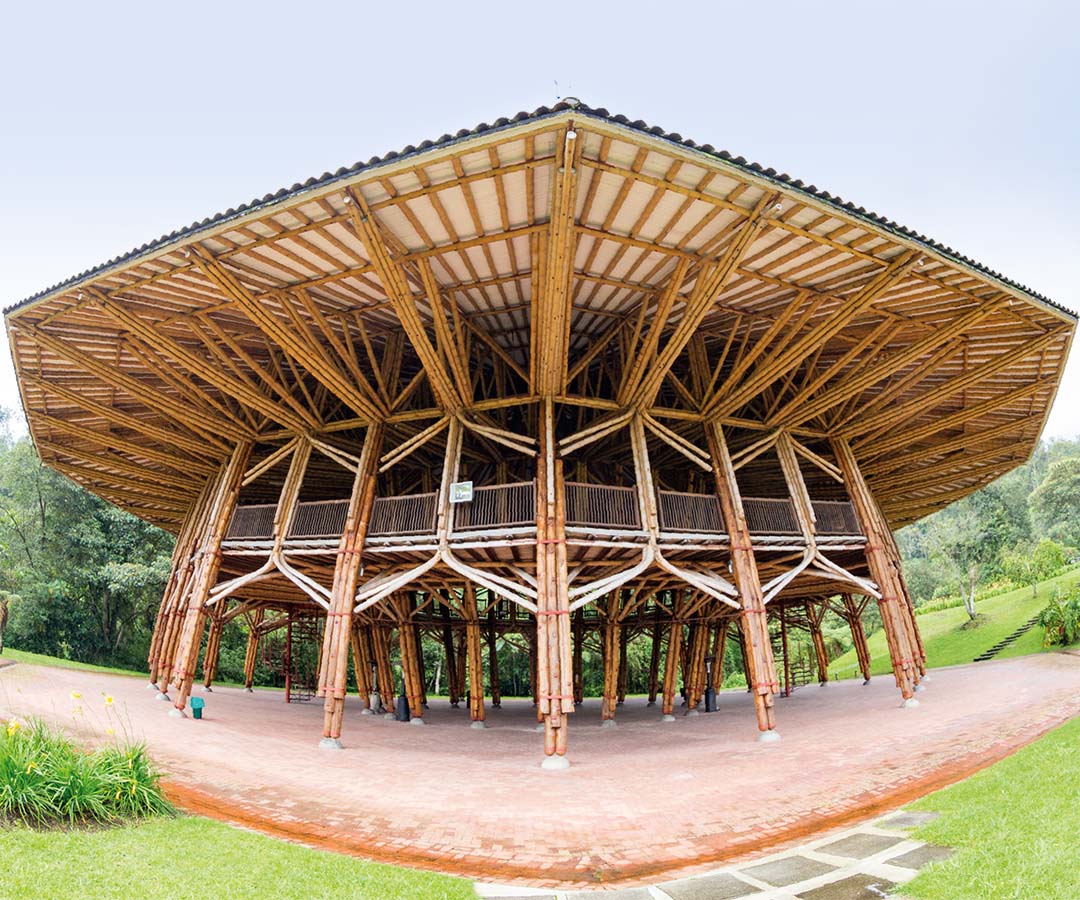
[1060, 619]
[45, 780]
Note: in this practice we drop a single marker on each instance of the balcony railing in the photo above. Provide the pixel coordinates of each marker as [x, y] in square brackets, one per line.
[498, 506]
[319, 519]
[836, 517]
[698, 513]
[411, 514]
[252, 523]
[602, 506]
[764, 516]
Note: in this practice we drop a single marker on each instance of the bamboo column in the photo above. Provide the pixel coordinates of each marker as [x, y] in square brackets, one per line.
[695, 669]
[654, 658]
[895, 620]
[451, 657]
[671, 667]
[213, 651]
[493, 657]
[555, 666]
[410, 653]
[224, 502]
[361, 660]
[858, 634]
[251, 655]
[460, 657]
[384, 672]
[610, 640]
[624, 668]
[334, 660]
[759, 658]
[579, 661]
[179, 571]
[815, 614]
[474, 645]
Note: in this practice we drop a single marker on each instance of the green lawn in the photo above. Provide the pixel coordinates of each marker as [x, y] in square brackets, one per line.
[39, 659]
[193, 859]
[947, 644]
[1014, 827]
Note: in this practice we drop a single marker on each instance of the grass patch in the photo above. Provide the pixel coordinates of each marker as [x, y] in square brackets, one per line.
[45, 780]
[949, 643]
[198, 859]
[1013, 825]
[40, 659]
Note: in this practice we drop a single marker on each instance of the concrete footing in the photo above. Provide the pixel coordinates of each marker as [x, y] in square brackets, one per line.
[329, 743]
[177, 713]
[416, 720]
[910, 703]
[160, 695]
[693, 712]
[667, 717]
[555, 764]
[478, 724]
[768, 737]
[608, 723]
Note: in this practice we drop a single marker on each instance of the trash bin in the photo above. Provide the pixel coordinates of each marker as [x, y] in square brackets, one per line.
[197, 704]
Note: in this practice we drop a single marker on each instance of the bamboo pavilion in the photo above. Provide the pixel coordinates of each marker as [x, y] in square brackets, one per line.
[567, 377]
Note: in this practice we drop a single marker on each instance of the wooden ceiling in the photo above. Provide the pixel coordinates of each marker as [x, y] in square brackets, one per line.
[426, 278]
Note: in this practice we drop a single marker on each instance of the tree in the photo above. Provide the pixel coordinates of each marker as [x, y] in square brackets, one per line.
[1030, 564]
[1056, 501]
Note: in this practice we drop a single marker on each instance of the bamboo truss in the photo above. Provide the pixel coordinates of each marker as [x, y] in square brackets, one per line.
[692, 398]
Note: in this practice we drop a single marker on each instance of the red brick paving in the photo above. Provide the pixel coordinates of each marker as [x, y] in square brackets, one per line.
[641, 800]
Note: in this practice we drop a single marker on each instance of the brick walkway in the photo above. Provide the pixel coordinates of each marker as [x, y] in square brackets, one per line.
[642, 801]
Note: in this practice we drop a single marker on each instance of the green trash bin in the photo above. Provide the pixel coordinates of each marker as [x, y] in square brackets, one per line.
[197, 704]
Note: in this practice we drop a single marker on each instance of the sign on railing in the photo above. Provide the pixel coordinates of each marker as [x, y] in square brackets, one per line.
[498, 506]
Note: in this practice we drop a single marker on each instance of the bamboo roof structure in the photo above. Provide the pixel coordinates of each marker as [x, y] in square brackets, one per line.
[406, 284]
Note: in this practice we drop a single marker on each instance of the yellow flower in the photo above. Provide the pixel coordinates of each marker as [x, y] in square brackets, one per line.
[12, 727]
[109, 731]
[30, 767]
[75, 695]
[108, 700]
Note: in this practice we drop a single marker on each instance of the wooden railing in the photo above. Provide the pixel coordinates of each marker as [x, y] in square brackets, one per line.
[764, 516]
[514, 506]
[410, 514]
[319, 519]
[602, 506]
[836, 517]
[699, 513]
[251, 523]
[498, 506]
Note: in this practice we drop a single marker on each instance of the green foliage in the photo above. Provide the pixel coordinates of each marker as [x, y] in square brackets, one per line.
[1060, 619]
[1057, 499]
[1030, 564]
[45, 780]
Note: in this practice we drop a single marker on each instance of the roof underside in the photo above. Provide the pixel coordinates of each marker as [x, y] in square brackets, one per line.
[277, 318]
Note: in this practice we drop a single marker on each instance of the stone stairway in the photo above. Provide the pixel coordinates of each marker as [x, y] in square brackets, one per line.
[1005, 642]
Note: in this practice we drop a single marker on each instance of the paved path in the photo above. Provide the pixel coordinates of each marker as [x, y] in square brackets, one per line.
[864, 863]
[642, 801]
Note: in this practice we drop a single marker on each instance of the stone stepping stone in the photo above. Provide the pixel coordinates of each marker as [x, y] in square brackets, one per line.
[921, 856]
[721, 886]
[857, 887]
[906, 820]
[860, 846]
[789, 870]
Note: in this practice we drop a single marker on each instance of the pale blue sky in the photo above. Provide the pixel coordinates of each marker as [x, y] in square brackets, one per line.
[960, 120]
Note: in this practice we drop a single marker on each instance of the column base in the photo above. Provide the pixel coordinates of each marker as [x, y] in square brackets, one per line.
[206, 689]
[250, 690]
[667, 717]
[909, 703]
[540, 728]
[390, 715]
[161, 695]
[329, 743]
[478, 724]
[367, 711]
[416, 720]
[651, 703]
[151, 686]
[177, 713]
[768, 737]
[693, 712]
[608, 723]
[866, 681]
[555, 763]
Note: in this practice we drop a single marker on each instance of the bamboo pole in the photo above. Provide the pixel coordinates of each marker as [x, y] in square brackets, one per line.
[761, 667]
[858, 634]
[474, 645]
[815, 613]
[579, 661]
[493, 657]
[384, 673]
[213, 651]
[654, 658]
[892, 603]
[251, 654]
[361, 667]
[448, 649]
[225, 496]
[334, 662]
[671, 668]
